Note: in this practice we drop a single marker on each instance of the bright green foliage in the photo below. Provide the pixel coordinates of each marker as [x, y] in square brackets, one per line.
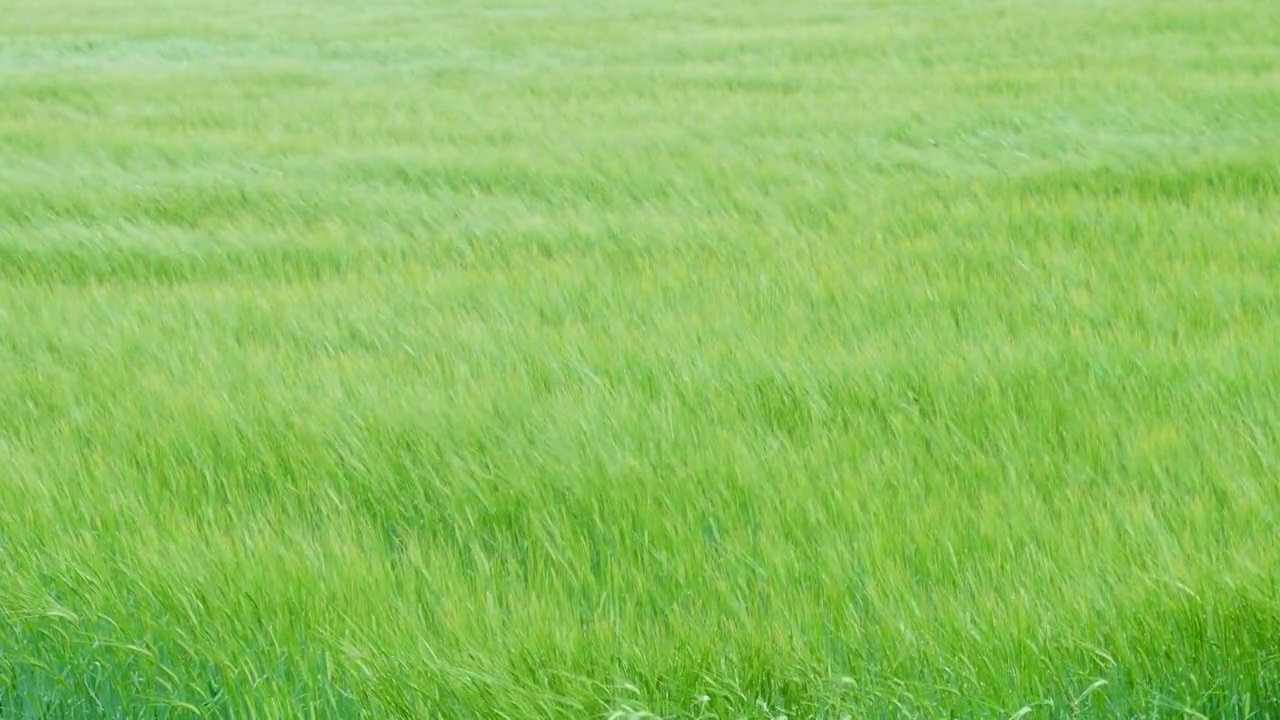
[635, 358]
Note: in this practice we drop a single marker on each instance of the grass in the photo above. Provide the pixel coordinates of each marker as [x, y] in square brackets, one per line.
[639, 358]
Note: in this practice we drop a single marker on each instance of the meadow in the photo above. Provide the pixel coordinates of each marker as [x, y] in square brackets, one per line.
[639, 359]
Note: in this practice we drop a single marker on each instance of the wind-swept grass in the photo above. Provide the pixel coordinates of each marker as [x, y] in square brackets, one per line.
[639, 358]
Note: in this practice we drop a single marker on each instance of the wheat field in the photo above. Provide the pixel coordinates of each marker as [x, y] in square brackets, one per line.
[640, 359]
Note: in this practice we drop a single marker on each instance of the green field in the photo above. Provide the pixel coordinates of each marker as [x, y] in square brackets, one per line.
[640, 359]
